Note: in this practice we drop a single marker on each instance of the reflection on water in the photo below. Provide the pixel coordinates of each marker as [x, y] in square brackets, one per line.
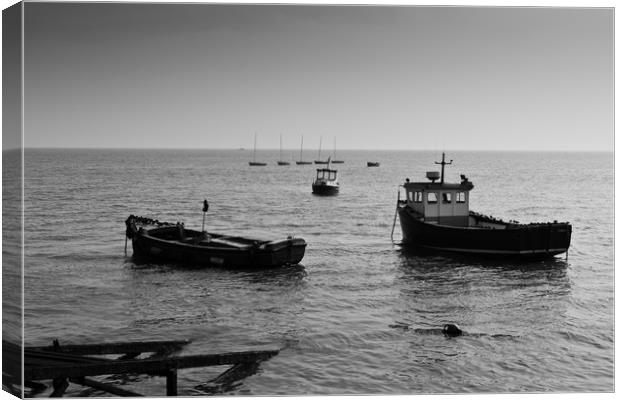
[479, 296]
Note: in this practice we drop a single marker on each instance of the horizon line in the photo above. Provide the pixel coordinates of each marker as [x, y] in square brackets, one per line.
[293, 149]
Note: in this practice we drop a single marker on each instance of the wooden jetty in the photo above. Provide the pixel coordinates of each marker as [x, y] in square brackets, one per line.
[78, 363]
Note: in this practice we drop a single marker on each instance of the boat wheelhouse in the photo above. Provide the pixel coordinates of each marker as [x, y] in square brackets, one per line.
[436, 215]
[326, 181]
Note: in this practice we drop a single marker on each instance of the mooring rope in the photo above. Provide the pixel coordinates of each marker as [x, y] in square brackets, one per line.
[395, 214]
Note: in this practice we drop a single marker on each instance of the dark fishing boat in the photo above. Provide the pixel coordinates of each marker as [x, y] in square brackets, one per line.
[372, 164]
[167, 242]
[436, 216]
[326, 182]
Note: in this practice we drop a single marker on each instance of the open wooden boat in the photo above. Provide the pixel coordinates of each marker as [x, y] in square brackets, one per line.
[372, 164]
[436, 216]
[166, 242]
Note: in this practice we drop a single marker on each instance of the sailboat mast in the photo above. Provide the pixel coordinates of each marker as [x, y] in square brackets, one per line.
[280, 147]
[320, 142]
[254, 152]
[301, 149]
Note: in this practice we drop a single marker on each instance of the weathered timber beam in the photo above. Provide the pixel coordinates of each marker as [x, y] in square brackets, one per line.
[147, 365]
[225, 381]
[105, 387]
[171, 382]
[49, 357]
[236, 373]
[113, 348]
[60, 385]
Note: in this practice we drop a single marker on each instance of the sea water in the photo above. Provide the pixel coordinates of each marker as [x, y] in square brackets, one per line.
[360, 315]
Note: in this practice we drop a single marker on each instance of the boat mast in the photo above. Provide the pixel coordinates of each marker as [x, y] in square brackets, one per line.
[320, 141]
[254, 152]
[280, 147]
[443, 164]
[301, 149]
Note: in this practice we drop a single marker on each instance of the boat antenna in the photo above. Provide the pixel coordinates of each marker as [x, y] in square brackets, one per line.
[205, 208]
[443, 164]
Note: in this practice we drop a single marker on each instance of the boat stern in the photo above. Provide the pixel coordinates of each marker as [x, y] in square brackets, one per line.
[289, 251]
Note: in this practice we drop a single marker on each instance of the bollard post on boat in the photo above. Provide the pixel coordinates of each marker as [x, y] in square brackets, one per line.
[205, 208]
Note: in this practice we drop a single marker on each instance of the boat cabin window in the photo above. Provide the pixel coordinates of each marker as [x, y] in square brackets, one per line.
[329, 175]
[431, 198]
[460, 197]
[415, 197]
[446, 197]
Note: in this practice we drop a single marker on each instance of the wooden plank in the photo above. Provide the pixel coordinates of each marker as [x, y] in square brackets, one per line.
[236, 373]
[59, 385]
[226, 380]
[105, 387]
[228, 242]
[114, 348]
[171, 382]
[143, 366]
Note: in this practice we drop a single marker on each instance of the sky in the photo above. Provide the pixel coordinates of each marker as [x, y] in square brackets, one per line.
[140, 75]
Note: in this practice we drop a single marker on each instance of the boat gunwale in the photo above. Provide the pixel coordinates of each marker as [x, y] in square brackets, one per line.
[477, 216]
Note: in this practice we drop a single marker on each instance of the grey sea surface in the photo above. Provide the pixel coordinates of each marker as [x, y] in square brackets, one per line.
[360, 315]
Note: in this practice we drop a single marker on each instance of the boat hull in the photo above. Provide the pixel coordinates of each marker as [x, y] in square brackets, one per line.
[253, 255]
[322, 189]
[514, 240]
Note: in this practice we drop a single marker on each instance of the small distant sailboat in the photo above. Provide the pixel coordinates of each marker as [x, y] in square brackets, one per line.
[255, 163]
[301, 152]
[319, 161]
[280, 161]
[336, 161]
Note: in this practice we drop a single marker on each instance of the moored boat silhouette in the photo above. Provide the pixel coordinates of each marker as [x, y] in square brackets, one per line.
[326, 181]
[436, 216]
[168, 242]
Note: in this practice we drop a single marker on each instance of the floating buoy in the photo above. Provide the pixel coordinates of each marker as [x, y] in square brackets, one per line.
[451, 330]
